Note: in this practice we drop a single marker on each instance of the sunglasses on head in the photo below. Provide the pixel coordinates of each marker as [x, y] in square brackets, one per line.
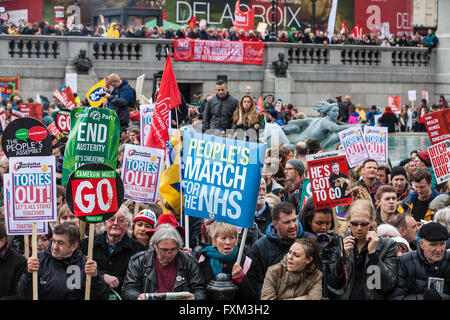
[362, 224]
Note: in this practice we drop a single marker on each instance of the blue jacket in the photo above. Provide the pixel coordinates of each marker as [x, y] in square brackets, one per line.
[121, 98]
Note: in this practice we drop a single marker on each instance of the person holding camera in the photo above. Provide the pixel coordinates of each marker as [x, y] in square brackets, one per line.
[424, 274]
[370, 271]
[120, 99]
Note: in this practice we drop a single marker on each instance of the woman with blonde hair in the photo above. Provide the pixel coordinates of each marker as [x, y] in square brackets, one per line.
[246, 116]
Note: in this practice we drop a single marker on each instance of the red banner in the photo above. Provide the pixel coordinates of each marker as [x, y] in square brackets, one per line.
[33, 110]
[395, 102]
[438, 125]
[370, 14]
[6, 90]
[66, 97]
[244, 52]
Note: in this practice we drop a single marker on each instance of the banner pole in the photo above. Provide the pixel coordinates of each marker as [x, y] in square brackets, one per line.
[241, 248]
[34, 255]
[136, 209]
[87, 292]
[26, 246]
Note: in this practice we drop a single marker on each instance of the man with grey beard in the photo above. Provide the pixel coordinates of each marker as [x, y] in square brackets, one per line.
[262, 211]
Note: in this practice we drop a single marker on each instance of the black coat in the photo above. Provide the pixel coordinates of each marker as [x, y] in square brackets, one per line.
[218, 113]
[413, 273]
[12, 266]
[114, 264]
[54, 276]
[388, 120]
[264, 219]
[141, 276]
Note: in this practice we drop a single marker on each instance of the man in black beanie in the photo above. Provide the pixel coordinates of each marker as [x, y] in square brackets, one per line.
[425, 274]
[294, 171]
[399, 180]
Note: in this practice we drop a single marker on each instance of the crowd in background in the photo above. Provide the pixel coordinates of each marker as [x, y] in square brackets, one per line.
[293, 35]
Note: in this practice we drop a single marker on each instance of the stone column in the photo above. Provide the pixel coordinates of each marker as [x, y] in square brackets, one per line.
[442, 85]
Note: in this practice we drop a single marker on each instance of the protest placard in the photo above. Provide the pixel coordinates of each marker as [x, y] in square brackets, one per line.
[94, 137]
[355, 148]
[15, 228]
[440, 160]
[146, 112]
[33, 188]
[412, 95]
[33, 110]
[438, 125]
[395, 102]
[141, 173]
[330, 183]
[63, 121]
[306, 192]
[94, 194]
[26, 137]
[221, 178]
[376, 139]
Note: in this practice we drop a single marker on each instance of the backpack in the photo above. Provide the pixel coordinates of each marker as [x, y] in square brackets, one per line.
[134, 103]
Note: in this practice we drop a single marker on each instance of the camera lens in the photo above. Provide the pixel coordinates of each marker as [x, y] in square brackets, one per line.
[323, 240]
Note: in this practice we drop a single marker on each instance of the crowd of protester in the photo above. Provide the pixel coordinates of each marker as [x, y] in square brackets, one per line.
[398, 224]
[294, 35]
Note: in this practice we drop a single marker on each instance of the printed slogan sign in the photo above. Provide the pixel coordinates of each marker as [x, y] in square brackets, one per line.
[33, 188]
[63, 121]
[94, 193]
[440, 160]
[146, 112]
[94, 137]
[26, 137]
[18, 227]
[330, 183]
[353, 142]
[376, 139]
[216, 173]
[438, 125]
[141, 173]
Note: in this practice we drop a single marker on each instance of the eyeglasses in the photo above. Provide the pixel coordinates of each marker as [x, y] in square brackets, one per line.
[118, 220]
[289, 169]
[362, 224]
[168, 250]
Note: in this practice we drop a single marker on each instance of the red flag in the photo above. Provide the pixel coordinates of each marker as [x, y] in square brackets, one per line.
[343, 28]
[357, 31]
[164, 15]
[244, 20]
[192, 22]
[167, 99]
[260, 105]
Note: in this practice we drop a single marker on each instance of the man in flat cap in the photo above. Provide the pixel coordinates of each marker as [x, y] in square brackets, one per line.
[425, 274]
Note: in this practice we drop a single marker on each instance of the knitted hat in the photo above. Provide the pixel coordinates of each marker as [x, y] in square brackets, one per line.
[424, 157]
[146, 215]
[298, 165]
[169, 219]
[397, 170]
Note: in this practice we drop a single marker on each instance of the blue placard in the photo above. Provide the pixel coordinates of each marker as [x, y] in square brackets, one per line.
[221, 178]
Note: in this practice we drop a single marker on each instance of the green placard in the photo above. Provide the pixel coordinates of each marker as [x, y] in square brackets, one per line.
[94, 137]
[306, 192]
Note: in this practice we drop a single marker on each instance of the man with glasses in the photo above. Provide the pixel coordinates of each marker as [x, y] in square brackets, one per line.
[294, 172]
[113, 248]
[370, 268]
[164, 269]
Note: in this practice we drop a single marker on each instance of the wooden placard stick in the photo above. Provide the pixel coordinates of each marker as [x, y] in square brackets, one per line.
[87, 292]
[34, 255]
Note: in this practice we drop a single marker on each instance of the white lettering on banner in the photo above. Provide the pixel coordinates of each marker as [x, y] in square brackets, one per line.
[374, 21]
[109, 191]
[90, 198]
[91, 134]
[286, 16]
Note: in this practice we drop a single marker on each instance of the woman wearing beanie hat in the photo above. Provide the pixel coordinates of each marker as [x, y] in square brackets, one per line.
[399, 180]
[144, 221]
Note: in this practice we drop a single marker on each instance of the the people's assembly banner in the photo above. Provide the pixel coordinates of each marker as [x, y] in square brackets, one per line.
[33, 188]
[355, 148]
[141, 173]
[94, 137]
[245, 52]
[440, 160]
[330, 183]
[221, 178]
[15, 228]
[438, 125]
[376, 139]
